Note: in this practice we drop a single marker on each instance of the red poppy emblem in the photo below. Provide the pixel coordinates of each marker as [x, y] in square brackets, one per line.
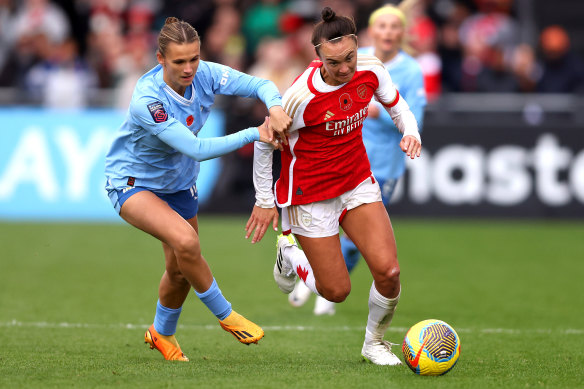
[190, 120]
[345, 101]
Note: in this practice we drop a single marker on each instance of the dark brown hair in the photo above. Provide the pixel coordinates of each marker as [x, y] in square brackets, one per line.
[332, 26]
[177, 31]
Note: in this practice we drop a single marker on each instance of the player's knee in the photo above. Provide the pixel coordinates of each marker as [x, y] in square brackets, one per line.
[337, 293]
[392, 274]
[389, 274]
[187, 246]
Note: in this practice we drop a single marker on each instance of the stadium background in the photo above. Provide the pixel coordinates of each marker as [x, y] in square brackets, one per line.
[502, 134]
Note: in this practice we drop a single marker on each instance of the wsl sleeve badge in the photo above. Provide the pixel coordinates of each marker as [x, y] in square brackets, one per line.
[431, 347]
[157, 112]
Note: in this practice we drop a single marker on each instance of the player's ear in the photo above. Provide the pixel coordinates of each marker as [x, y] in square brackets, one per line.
[160, 58]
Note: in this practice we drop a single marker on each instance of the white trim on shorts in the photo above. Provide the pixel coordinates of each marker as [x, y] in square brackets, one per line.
[322, 218]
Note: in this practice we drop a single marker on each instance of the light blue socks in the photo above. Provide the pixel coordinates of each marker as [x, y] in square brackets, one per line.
[214, 300]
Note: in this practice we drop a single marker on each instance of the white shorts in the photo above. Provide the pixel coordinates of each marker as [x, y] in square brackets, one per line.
[322, 218]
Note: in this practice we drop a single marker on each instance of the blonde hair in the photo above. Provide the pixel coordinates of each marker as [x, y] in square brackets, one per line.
[387, 9]
[402, 11]
[175, 31]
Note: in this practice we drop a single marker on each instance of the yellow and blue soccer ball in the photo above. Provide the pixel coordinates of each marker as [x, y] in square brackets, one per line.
[431, 347]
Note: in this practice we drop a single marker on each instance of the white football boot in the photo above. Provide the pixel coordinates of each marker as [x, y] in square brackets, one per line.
[379, 353]
[299, 295]
[283, 271]
[323, 307]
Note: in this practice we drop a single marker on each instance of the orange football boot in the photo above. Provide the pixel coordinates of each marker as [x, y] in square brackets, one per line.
[167, 345]
[244, 330]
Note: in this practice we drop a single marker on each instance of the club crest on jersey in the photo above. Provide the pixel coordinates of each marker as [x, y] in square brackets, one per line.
[157, 112]
[362, 91]
[306, 219]
[345, 101]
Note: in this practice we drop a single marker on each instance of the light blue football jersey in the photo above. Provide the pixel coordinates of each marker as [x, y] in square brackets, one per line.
[380, 135]
[138, 157]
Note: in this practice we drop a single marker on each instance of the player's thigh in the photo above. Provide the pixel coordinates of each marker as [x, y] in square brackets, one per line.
[146, 211]
[326, 259]
[369, 227]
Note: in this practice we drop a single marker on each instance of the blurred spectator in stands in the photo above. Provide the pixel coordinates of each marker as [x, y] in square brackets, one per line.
[34, 23]
[105, 41]
[198, 13]
[275, 61]
[136, 56]
[224, 42]
[495, 75]
[485, 34]
[562, 69]
[450, 14]
[136, 60]
[7, 64]
[62, 79]
[261, 20]
[525, 68]
[423, 37]
[40, 17]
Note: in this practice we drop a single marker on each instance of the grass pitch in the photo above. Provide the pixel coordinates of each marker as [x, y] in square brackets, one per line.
[75, 301]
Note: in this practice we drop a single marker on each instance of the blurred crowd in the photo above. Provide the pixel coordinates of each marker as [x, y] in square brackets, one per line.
[61, 51]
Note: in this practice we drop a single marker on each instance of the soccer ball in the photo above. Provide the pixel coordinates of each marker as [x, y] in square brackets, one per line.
[431, 347]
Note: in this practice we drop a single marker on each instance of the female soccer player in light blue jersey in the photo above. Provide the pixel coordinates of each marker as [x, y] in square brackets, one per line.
[380, 135]
[153, 163]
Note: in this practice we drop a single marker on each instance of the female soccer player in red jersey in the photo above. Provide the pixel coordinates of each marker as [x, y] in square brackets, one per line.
[326, 180]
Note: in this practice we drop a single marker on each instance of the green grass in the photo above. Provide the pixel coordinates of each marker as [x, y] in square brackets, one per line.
[75, 300]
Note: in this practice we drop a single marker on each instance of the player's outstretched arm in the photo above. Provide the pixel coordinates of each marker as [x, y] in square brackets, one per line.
[182, 139]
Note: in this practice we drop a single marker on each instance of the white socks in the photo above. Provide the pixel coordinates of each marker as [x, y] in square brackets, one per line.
[381, 311]
[301, 266]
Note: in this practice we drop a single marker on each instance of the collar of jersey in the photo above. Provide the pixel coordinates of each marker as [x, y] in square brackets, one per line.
[170, 92]
[322, 86]
[178, 98]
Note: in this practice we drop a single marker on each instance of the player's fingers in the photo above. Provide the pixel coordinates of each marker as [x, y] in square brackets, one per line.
[404, 144]
[249, 229]
[249, 221]
[275, 222]
[259, 233]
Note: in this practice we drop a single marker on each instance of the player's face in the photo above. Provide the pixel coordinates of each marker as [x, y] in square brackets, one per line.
[387, 33]
[180, 64]
[339, 60]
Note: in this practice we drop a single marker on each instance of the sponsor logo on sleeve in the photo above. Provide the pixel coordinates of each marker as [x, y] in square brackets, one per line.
[157, 111]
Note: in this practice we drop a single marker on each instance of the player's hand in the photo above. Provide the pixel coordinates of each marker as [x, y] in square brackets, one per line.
[260, 220]
[267, 136]
[279, 123]
[411, 146]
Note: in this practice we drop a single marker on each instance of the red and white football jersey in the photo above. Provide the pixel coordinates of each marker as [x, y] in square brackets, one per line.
[325, 155]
